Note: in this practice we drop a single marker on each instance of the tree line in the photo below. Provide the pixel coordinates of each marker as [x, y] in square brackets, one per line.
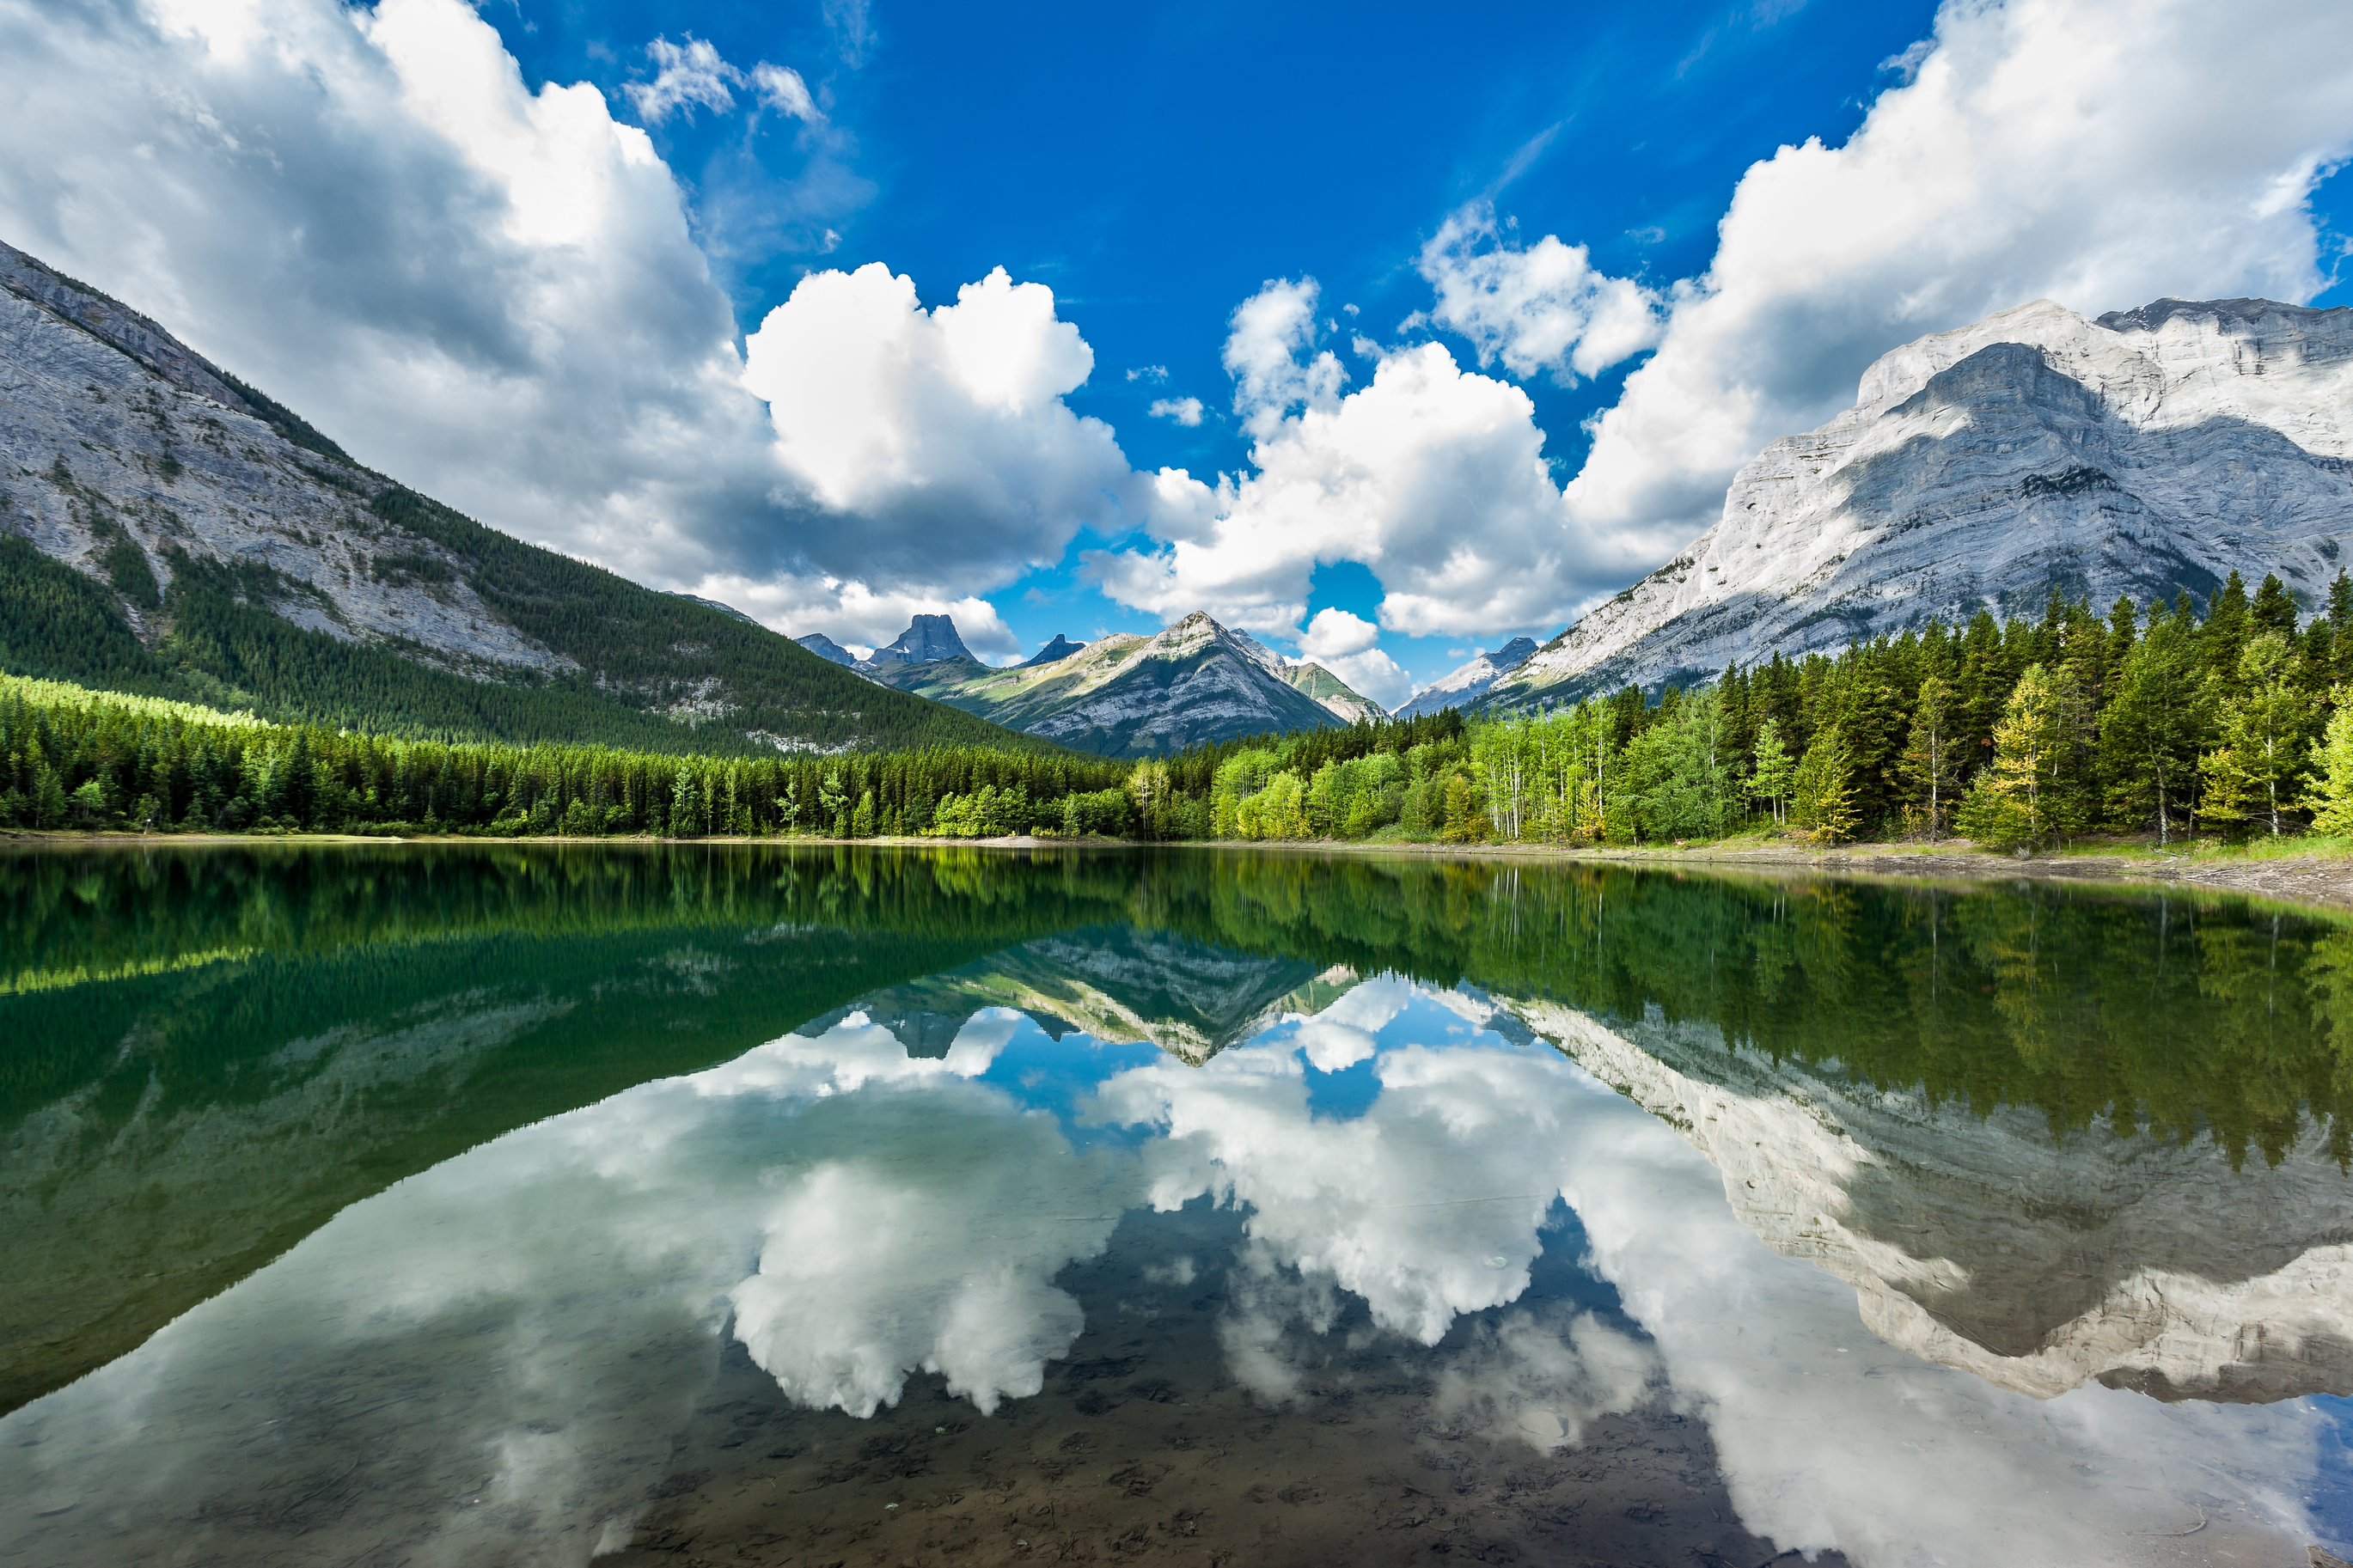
[2156, 719]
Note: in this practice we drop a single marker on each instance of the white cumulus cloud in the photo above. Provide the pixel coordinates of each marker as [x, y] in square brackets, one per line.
[1183, 410]
[1543, 307]
[2102, 153]
[926, 448]
[1431, 476]
[689, 75]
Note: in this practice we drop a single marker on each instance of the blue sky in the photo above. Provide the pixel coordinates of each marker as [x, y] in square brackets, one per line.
[1154, 167]
[1466, 320]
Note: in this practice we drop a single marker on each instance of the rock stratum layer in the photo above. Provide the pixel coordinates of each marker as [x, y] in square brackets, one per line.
[2146, 453]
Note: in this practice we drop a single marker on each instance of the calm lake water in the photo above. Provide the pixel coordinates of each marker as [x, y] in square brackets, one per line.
[430, 1205]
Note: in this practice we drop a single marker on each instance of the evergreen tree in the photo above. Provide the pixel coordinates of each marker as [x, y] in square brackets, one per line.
[1822, 790]
[2023, 796]
[2264, 726]
[1928, 764]
[2150, 732]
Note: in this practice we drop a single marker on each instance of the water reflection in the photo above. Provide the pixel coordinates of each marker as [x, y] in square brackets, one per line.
[1592, 1258]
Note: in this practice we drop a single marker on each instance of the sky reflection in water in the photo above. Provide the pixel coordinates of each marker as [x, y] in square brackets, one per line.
[504, 1345]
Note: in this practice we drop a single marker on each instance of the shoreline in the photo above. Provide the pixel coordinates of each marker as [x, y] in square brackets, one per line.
[2312, 881]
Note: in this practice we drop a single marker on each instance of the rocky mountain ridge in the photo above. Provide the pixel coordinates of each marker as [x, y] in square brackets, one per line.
[1131, 696]
[2147, 453]
[1465, 684]
[165, 528]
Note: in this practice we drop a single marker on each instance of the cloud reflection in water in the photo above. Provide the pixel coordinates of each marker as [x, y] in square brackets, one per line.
[541, 1311]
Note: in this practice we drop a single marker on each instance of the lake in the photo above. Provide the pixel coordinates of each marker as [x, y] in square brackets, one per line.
[439, 1204]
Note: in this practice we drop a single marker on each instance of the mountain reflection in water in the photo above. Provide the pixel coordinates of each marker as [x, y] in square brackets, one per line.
[1107, 1204]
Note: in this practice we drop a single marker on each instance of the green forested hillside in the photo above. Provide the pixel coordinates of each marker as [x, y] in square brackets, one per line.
[221, 644]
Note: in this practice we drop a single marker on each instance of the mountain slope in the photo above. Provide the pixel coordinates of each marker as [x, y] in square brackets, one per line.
[164, 529]
[2147, 453]
[1127, 696]
[1467, 683]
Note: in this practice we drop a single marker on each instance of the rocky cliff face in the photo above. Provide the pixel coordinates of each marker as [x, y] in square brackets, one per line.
[926, 639]
[1462, 687]
[2146, 453]
[233, 554]
[1984, 1244]
[112, 429]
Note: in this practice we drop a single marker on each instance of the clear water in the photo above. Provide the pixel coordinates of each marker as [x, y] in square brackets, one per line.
[728, 1205]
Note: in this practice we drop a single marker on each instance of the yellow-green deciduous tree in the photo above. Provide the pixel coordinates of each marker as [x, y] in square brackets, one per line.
[1771, 781]
[2331, 799]
[1822, 791]
[2024, 796]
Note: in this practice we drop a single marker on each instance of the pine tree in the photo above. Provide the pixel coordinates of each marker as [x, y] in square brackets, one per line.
[2265, 729]
[2150, 730]
[2023, 798]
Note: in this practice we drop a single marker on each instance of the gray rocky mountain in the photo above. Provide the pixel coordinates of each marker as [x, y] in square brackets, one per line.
[1129, 696]
[723, 609]
[825, 647]
[925, 641]
[1054, 652]
[165, 528]
[1464, 685]
[2146, 453]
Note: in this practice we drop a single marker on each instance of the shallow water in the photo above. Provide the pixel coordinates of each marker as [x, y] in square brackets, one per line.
[729, 1204]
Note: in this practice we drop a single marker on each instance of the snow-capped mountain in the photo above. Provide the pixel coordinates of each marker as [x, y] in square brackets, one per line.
[2144, 453]
[1460, 687]
[1128, 695]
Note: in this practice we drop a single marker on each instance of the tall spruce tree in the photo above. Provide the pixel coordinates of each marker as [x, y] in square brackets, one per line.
[2152, 730]
[2264, 723]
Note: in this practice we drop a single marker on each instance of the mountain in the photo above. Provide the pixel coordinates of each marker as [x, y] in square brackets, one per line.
[1128, 695]
[1978, 1240]
[716, 604]
[2146, 453]
[826, 648]
[927, 640]
[1468, 683]
[1054, 652]
[1335, 695]
[165, 529]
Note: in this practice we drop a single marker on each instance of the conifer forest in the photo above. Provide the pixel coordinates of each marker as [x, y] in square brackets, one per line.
[2157, 720]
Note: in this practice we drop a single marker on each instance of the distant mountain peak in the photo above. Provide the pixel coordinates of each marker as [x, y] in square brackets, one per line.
[825, 647]
[1467, 683]
[1054, 652]
[928, 639]
[1127, 696]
